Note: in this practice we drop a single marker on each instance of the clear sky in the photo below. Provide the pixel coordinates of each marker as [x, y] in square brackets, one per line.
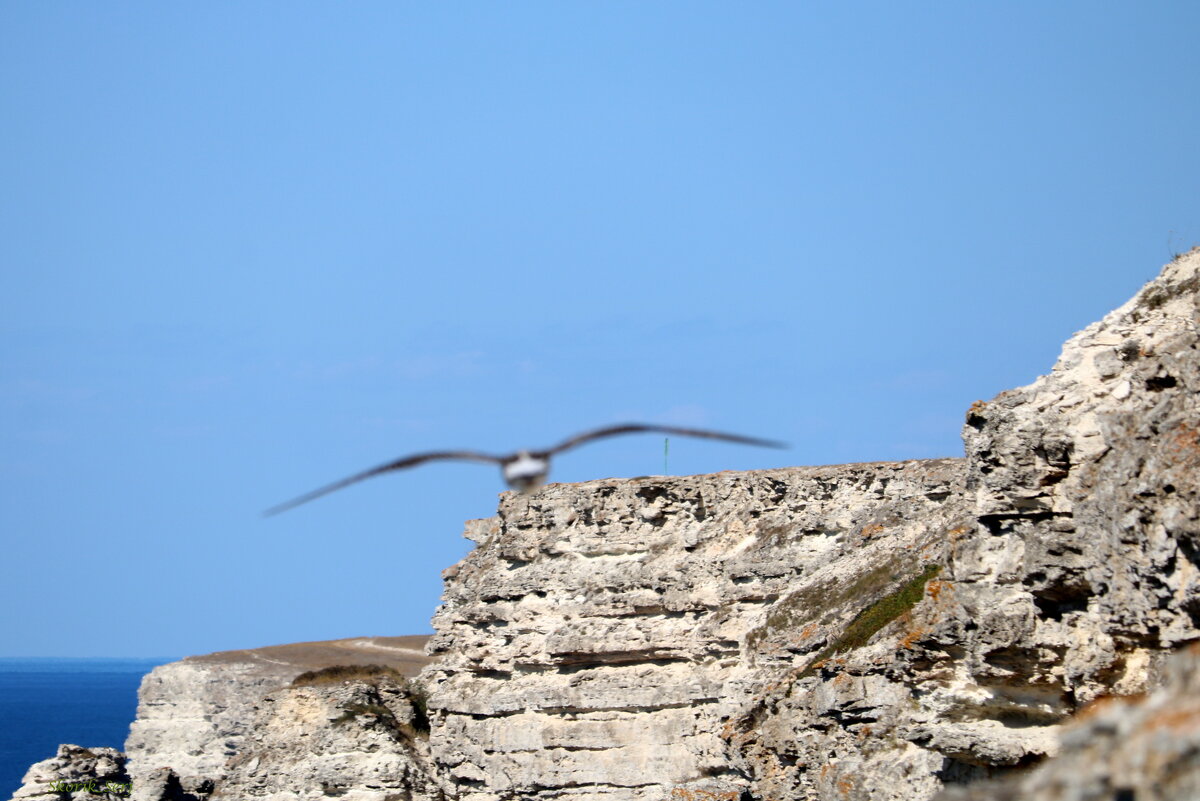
[250, 248]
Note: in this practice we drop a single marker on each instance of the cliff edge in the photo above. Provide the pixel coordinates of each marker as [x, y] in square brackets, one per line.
[870, 631]
[886, 631]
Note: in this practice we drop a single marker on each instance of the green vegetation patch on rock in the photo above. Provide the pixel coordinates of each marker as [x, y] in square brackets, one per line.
[870, 620]
[371, 674]
[820, 603]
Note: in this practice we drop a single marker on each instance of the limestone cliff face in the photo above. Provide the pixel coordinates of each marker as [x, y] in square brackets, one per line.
[888, 631]
[781, 633]
[601, 638]
[199, 717]
[1076, 576]
[1087, 480]
[1142, 747]
[356, 740]
[193, 717]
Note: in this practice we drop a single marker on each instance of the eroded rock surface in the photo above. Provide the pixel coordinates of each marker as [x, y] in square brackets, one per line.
[1076, 577]
[79, 774]
[199, 718]
[193, 715]
[601, 637]
[356, 740]
[1142, 747]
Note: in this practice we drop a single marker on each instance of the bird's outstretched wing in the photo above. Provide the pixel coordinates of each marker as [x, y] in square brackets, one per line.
[638, 428]
[399, 464]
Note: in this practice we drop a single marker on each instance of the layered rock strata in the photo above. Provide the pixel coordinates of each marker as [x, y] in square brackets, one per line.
[358, 740]
[194, 716]
[862, 632]
[602, 636]
[1141, 747]
[1076, 577]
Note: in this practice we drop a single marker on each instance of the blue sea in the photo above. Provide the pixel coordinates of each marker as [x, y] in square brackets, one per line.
[44, 702]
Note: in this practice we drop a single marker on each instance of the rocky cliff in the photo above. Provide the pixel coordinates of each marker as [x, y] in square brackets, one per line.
[873, 631]
[194, 715]
[1076, 576]
[603, 639]
[1131, 748]
[217, 720]
[867, 631]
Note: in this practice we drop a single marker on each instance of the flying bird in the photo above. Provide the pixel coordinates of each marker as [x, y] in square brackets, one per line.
[523, 470]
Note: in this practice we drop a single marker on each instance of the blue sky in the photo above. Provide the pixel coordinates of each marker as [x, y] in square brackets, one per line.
[250, 248]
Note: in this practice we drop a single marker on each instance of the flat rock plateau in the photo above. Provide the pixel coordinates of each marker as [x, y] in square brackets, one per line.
[1019, 623]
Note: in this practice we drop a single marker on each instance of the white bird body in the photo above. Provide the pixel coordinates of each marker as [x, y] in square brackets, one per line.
[526, 471]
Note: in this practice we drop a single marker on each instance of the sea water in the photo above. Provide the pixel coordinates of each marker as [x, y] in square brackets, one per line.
[45, 702]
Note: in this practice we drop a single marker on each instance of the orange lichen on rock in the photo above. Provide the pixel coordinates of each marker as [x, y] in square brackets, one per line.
[872, 530]
[1186, 441]
[913, 637]
[976, 410]
[936, 587]
[1180, 718]
[684, 794]
[1103, 702]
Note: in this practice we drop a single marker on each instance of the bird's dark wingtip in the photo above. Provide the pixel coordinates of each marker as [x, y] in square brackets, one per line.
[281, 508]
[765, 443]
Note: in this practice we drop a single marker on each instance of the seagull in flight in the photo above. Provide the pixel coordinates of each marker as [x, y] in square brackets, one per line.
[524, 470]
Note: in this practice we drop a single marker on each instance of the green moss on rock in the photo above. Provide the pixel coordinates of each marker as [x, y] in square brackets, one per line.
[821, 603]
[870, 620]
